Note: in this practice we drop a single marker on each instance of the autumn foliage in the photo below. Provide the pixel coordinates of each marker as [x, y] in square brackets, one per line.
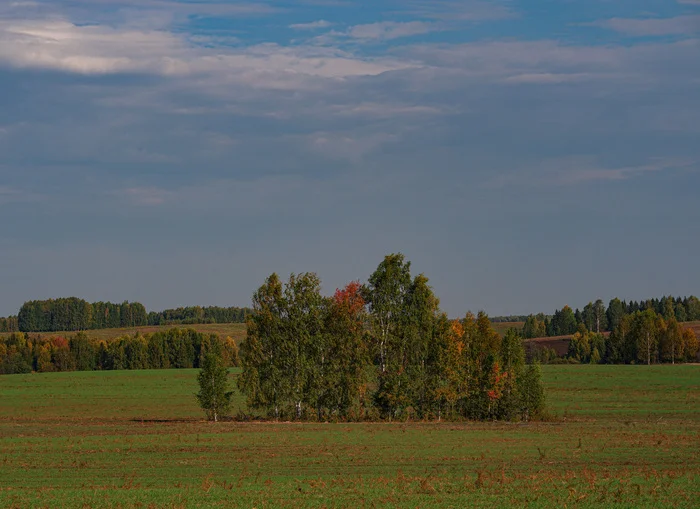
[383, 350]
[175, 348]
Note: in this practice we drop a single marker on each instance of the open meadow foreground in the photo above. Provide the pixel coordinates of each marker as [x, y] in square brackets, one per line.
[619, 436]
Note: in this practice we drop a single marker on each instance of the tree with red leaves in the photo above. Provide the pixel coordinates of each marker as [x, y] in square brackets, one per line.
[339, 374]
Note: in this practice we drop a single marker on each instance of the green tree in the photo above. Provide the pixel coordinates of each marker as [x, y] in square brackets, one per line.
[588, 317]
[534, 327]
[513, 360]
[303, 329]
[262, 380]
[680, 312]
[646, 330]
[600, 318]
[580, 347]
[621, 345]
[671, 341]
[563, 322]
[424, 337]
[616, 310]
[214, 395]
[340, 358]
[692, 306]
[531, 390]
[83, 352]
[385, 295]
[280, 352]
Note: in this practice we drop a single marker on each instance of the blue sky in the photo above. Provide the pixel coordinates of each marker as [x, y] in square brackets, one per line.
[523, 155]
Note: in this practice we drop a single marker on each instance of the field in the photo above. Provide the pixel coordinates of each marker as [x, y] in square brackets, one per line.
[560, 344]
[236, 330]
[502, 327]
[620, 436]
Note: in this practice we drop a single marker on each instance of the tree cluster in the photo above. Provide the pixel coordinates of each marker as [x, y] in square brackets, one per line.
[644, 337]
[174, 348]
[508, 318]
[198, 314]
[73, 314]
[9, 324]
[382, 350]
[596, 317]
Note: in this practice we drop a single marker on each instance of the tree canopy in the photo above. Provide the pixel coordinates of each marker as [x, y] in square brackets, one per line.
[382, 350]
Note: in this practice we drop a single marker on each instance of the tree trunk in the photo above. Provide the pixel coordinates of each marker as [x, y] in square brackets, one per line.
[673, 354]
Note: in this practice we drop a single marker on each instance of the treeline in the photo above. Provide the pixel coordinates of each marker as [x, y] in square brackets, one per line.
[73, 314]
[9, 324]
[382, 350]
[642, 337]
[597, 317]
[198, 314]
[508, 319]
[175, 348]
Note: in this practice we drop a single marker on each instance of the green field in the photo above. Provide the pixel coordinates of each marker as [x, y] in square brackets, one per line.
[620, 436]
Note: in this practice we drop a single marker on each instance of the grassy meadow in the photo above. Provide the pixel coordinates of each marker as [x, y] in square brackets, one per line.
[502, 327]
[236, 331]
[619, 436]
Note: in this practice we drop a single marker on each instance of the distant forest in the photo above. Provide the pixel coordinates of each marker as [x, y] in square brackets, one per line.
[597, 317]
[74, 314]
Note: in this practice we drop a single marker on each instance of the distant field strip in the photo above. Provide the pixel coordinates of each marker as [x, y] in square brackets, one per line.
[236, 331]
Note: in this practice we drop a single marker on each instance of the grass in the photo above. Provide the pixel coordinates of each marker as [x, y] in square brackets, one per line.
[502, 327]
[236, 330]
[621, 436]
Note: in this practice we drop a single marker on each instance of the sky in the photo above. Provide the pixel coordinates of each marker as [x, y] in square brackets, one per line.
[523, 155]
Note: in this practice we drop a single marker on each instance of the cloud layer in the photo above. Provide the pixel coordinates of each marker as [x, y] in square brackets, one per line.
[162, 137]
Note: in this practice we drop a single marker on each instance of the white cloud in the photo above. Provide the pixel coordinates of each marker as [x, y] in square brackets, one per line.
[573, 170]
[548, 62]
[63, 46]
[385, 110]
[315, 25]
[388, 30]
[678, 25]
[593, 172]
[348, 146]
[547, 78]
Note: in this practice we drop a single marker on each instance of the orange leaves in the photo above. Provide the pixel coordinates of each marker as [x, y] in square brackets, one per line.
[498, 381]
[59, 343]
[350, 298]
[457, 328]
